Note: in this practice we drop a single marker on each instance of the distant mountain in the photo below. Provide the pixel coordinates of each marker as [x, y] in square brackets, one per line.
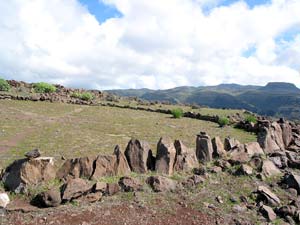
[275, 99]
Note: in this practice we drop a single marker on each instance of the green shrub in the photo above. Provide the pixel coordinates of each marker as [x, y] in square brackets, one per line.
[86, 96]
[75, 95]
[251, 119]
[44, 88]
[223, 121]
[4, 85]
[177, 113]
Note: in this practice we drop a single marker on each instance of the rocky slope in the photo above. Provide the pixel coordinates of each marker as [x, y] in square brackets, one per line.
[217, 183]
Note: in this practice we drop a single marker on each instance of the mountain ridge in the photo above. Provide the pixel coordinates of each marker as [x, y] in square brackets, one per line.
[274, 99]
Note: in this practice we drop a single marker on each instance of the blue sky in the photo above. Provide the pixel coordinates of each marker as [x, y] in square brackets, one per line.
[100, 10]
[103, 11]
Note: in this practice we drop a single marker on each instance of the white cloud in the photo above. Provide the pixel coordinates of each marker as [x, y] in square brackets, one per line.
[155, 44]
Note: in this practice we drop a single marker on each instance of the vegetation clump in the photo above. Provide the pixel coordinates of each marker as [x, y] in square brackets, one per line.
[251, 119]
[4, 85]
[177, 113]
[43, 87]
[223, 121]
[86, 96]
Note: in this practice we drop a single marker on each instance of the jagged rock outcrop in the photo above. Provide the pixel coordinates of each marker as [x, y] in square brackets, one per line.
[204, 148]
[218, 148]
[95, 167]
[185, 157]
[139, 156]
[165, 157]
[25, 172]
[270, 137]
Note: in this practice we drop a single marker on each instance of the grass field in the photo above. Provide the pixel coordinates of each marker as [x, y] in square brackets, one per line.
[73, 130]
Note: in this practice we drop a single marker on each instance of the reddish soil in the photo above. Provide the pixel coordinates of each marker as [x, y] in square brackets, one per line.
[129, 213]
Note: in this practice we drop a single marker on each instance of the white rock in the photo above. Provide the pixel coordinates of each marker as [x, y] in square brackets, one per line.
[4, 200]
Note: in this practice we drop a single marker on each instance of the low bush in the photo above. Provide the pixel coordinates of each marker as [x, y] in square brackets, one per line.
[177, 113]
[86, 96]
[43, 87]
[4, 85]
[223, 121]
[251, 119]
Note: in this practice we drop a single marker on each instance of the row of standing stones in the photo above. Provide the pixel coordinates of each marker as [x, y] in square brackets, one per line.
[275, 152]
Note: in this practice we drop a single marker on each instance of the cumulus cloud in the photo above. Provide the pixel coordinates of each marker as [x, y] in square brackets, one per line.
[154, 44]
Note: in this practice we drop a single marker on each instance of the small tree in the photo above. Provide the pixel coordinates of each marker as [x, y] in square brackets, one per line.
[223, 121]
[43, 87]
[177, 113]
[4, 85]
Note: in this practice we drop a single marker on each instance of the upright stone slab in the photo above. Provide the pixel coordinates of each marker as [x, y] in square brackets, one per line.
[122, 167]
[185, 157]
[218, 147]
[287, 134]
[165, 157]
[137, 154]
[204, 149]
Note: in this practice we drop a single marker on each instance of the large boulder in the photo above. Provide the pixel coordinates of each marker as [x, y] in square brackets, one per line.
[26, 172]
[161, 184]
[165, 157]
[138, 155]
[267, 196]
[185, 157]
[204, 149]
[218, 147]
[268, 213]
[269, 169]
[292, 180]
[104, 166]
[253, 148]
[230, 143]
[238, 155]
[50, 198]
[75, 188]
[130, 184]
[78, 167]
